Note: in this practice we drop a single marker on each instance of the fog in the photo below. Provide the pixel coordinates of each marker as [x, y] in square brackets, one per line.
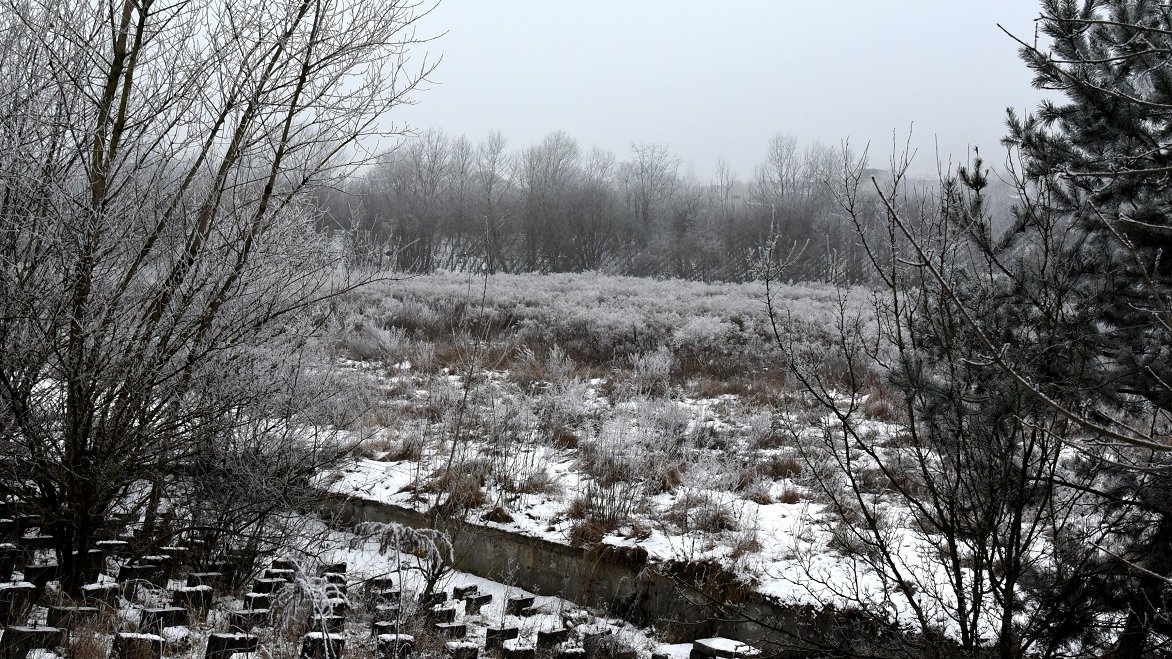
[716, 81]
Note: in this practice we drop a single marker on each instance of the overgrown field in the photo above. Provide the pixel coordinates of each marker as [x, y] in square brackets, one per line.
[586, 408]
[661, 337]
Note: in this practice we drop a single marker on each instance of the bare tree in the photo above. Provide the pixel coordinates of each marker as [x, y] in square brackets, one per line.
[651, 178]
[156, 237]
[966, 509]
[546, 172]
[494, 182]
[593, 216]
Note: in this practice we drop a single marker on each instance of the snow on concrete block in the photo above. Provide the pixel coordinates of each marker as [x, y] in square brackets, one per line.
[474, 603]
[519, 606]
[268, 585]
[441, 614]
[461, 650]
[19, 641]
[68, 616]
[320, 645]
[327, 623]
[463, 592]
[550, 639]
[451, 630]
[394, 646]
[136, 646]
[154, 620]
[725, 648]
[247, 619]
[495, 637]
[515, 649]
[258, 600]
[101, 593]
[331, 568]
[212, 579]
[223, 646]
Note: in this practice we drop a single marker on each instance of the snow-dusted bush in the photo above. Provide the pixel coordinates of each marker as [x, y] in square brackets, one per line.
[651, 372]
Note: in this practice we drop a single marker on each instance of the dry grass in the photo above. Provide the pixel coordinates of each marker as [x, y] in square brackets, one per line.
[701, 513]
[578, 508]
[908, 478]
[460, 488]
[407, 448]
[778, 466]
[745, 543]
[871, 480]
[758, 492]
[564, 439]
[535, 482]
[791, 494]
[498, 514]
[91, 639]
[771, 440]
[883, 404]
[706, 386]
[589, 530]
[376, 447]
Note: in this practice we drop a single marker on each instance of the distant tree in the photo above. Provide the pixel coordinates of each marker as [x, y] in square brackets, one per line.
[494, 182]
[651, 177]
[594, 221]
[546, 174]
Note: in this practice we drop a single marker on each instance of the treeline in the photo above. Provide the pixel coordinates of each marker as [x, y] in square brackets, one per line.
[441, 202]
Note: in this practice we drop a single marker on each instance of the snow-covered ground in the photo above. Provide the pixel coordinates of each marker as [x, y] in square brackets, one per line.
[689, 479]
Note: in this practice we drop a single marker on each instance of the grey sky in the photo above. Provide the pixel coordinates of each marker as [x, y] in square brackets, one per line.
[717, 79]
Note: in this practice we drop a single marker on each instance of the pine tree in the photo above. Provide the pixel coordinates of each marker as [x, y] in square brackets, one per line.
[1104, 156]
[1098, 165]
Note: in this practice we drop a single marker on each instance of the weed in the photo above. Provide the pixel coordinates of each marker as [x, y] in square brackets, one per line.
[883, 404]
[537, 482]
[701, 513]
[407, 448]
[779, 466]
[590, 530]
[758, 492]
[578, 508]
[564, 439]
[771, 439]
[871, 480]
[498, 515]
[463, 486]
[744, 543]
[791, 494]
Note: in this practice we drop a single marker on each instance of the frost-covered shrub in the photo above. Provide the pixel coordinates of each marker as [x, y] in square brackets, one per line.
[780, 465]
[759, 492]
[461, 487]
[361, 339]
[617, 469]
[529, 368]
[662, 418]
[702, 512]
[563, 410]
[703, 334]
[443, 398]
[601, 320]
[537, 481]
[651, 372]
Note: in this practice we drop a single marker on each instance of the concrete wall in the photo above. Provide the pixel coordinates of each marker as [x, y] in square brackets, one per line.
[681, 600]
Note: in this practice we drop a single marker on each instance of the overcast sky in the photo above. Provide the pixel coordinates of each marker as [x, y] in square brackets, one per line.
[717, 79]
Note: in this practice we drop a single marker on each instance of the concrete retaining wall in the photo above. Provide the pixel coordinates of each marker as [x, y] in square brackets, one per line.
[686, 601]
